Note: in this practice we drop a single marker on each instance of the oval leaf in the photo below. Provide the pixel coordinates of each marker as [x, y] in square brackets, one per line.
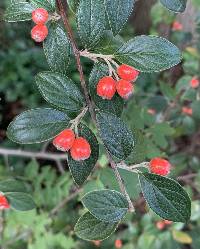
[20, 201]
[175, 5]
[12, 186]
[90, 228]
[73, 5]
[149, 54]
[37, 125]
[80, 170]
[116, 136]
[118, 12]
[91, 21]
[106, 205]
[60, 91]
[115, 105]
[49, 5]
[166, 197]
[57, 49]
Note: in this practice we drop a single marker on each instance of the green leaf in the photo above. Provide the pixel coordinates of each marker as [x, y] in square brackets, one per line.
[20, 201]
[80, 170]
[195, 107]
[106, 205]
[166, 197]
[19, 11]
[116, 136]
[91, 21]
[90, 228]
[73, 5]
[115, 105]
[60, 91]
[149, 54]
[118, 12]
[49, 5]
[175, 5]
[37, 125]
[57, 49]
[12, 186]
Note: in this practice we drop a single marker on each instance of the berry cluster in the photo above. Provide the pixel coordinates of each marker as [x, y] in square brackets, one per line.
[107, 86]
[3, 202]
[79, 147]
[159, 166]
[40, 31]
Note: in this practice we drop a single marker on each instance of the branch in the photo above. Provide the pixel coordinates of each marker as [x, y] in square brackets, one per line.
[89, 103]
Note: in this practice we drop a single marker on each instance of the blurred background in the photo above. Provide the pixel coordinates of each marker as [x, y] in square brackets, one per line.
[164, 114]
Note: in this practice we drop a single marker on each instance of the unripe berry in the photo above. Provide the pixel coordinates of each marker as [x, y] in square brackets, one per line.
[160, 225]
[118, 244]
[124, 88]
[187, 110]
[127, 72]
[106, 87]
[3, 202]
[194, 83]
[64, 140]
[39, 33]
[40, 16]
[177, 26]
[159, 166]
[81, 149]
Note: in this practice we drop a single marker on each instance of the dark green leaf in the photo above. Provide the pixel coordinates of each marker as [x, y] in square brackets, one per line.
[20, 201]
[19, 11]
[149, 54]
[91, 21]
[90, 228]
[116, 136]
[118, 12]
[80, 170]
[57, 49]
[60, 91]
[175, 5]
[73, 4]
[196, 107]
[166, 197]
[115, 105]
[49, 5]
[12, 186]
[106, 205]
[37, 125]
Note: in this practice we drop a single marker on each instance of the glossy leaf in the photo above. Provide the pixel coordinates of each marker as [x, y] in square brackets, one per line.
[91, 21]
[118, 12]
[90, 228]
[37, 125]
[115, 105]
[149, 54]
[166, 197]
[175, 5]
[57, 49]
[115, 134]
[80, 170]
[20, 201]
[106, 205]
[60, 91]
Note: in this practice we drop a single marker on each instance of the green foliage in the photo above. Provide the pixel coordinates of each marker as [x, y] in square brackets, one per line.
[175, 5]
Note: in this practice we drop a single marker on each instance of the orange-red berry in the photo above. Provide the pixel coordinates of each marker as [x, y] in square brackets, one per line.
[187, 110]
[194, 83]
[118, 244]
[64, 140]
[106, 87]
[40, 16]
[159, 166]
[4, 202]
[127, 72]
[177, 26]
[124, 88]
[81, 149]
[39, 33]
[160, 225]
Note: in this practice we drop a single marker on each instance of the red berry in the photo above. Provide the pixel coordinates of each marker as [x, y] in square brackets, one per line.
[64, 140]
[118, 244]
[3, 202]
[194, 83]
[187, 110]
[160, 166]
[81, 149]
[40, 16]
[39, 33]
[127, 72]
[106, 87]
[160, 225]
[124, 88]
[177, 26]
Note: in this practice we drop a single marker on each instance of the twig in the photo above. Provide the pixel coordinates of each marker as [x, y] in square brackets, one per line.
[133, 168]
